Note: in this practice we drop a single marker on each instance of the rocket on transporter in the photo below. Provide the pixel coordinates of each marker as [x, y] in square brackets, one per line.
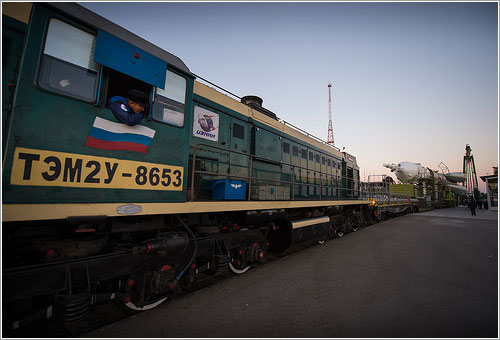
[409, 172]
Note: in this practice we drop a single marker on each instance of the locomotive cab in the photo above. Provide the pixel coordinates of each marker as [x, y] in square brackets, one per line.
[72, 63]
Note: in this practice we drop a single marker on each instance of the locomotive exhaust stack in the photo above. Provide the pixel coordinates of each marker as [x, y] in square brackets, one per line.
[256, 103]
[252, 100]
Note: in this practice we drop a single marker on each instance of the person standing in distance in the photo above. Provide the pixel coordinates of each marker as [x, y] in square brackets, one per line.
[130, 110]
[472, 206]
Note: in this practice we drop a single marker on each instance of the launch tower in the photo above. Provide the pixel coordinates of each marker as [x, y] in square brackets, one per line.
[470, 173]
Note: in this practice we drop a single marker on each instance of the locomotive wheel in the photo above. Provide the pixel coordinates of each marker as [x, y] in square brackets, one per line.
[138, 294]
[355, 225]
[331, 231]
[239, 260]
[349, 225]
[250, 250]
[236, 270]
[132, 306]
[362, 221]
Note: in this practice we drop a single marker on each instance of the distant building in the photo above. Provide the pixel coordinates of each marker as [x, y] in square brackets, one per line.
[492, 189]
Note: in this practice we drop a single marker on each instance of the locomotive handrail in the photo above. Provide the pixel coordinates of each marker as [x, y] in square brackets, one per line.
[252, 157]
[309, 135]
[228, 150]
[263, 180]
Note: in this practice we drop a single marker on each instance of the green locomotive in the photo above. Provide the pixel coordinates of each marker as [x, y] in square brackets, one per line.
[94, 209]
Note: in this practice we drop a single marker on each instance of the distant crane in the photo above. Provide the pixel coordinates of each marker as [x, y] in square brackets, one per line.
[330, 140]
[470, 173]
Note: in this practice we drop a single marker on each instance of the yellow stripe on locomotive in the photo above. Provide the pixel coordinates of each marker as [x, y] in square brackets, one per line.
[61, 169]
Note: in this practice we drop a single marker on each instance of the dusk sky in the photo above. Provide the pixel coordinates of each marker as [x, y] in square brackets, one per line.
[411, 81]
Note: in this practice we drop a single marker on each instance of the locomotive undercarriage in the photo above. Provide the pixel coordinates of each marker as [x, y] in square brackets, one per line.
[61, 268]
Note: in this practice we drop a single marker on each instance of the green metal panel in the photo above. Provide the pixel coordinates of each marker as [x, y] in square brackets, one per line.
[228, 161]
[266, 143]
[240, 142]
[302, 174]
[286, 157]
[228, 154]
[293, 171]
[12, 43]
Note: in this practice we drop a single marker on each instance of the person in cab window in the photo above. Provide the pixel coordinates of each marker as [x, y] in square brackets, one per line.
[130, 110]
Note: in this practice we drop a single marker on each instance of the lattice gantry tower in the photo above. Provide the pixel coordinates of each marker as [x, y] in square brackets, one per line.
[470, 173]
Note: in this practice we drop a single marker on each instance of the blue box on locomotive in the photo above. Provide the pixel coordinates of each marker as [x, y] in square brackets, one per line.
[229, 189]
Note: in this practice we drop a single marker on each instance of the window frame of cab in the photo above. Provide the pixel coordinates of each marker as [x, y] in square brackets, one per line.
[186, 96]
[49, 16]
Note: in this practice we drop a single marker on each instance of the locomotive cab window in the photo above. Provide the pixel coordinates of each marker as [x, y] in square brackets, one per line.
[169, 103]
[67, 65]
[119, 84]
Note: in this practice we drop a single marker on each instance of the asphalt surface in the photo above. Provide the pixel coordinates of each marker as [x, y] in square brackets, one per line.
[431, 274]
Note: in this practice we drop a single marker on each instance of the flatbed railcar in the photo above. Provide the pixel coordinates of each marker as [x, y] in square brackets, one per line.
[204, 184]
[388, 198]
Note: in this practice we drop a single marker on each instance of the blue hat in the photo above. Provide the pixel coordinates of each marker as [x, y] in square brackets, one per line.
[138, 97]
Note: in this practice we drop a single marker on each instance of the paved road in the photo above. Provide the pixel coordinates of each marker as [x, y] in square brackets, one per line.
[462, 212]
[420, 275]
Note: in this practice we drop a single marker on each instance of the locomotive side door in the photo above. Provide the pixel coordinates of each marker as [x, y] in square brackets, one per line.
[310, 172]
[239, 142]
[295, 160]
[266, 147]
[288, 166]
[233, 136]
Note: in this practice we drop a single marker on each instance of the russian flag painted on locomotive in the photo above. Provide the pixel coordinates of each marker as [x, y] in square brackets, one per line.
[109, 135]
